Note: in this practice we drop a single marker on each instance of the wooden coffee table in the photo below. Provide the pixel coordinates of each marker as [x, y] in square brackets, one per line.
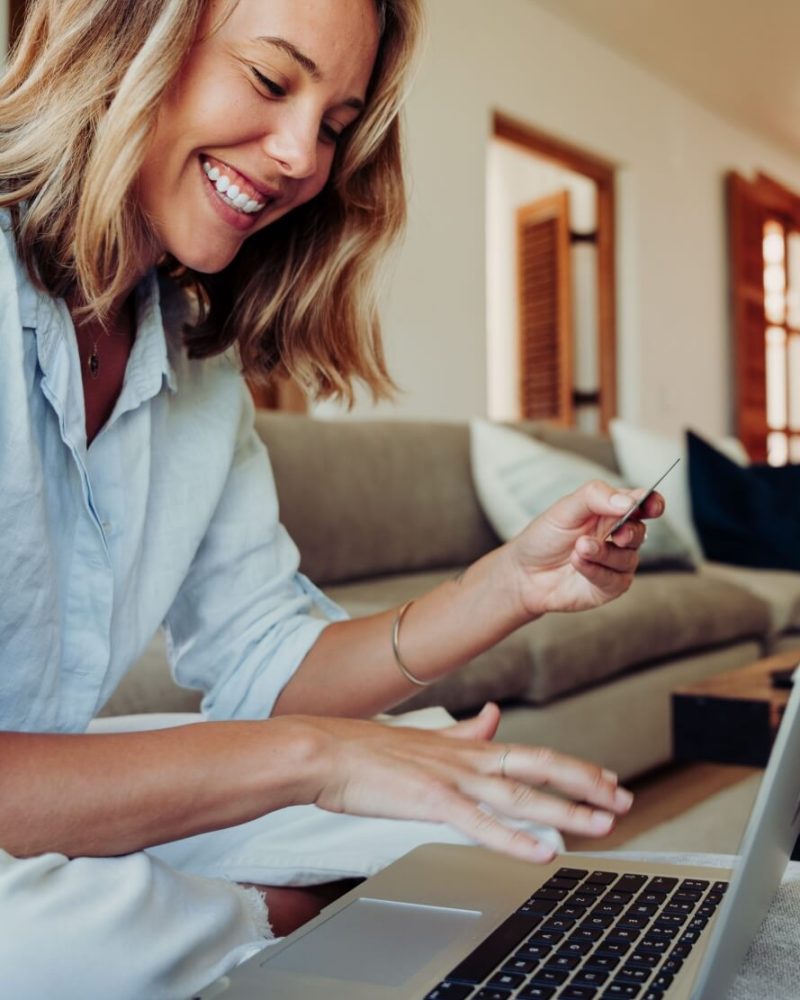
[732, 717]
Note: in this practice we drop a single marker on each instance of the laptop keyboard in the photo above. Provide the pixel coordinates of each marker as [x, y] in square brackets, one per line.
[589, 936]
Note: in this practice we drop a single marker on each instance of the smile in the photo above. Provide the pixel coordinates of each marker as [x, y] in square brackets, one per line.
[234, 191]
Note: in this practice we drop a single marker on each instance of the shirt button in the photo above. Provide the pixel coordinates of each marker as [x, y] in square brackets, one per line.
[106, 526]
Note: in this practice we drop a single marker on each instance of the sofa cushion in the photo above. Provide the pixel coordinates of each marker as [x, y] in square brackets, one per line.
[746, 516]
[597, 448]
[370, 498]
[517, 478]
[779, 588]
[663, 615]
[643, 455]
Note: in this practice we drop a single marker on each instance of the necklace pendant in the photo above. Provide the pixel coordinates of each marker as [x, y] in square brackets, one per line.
[93, 363]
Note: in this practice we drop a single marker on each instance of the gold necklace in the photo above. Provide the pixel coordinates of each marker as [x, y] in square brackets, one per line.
[93, 357]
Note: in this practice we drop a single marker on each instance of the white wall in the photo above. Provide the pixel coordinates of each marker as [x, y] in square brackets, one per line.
[3, 32]
[512, 56]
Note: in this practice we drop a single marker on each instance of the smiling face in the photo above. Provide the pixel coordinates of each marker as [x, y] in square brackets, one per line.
[249, 129]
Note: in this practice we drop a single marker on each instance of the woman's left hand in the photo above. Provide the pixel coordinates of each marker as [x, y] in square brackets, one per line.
[565, 561]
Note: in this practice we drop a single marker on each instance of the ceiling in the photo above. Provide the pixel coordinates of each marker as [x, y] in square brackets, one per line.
[738, 57]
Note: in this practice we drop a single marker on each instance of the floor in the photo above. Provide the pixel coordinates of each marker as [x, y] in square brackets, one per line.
[661, 796]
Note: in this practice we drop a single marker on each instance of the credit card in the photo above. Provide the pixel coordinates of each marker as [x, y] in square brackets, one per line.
[627, 516]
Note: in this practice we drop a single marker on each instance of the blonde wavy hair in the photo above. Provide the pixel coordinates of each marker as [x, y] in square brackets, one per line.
[78, 103]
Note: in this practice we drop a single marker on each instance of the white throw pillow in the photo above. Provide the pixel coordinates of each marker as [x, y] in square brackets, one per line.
[643, 455]
[517, 478]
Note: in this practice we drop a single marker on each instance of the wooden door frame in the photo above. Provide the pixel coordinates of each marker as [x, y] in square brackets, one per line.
[602, 173]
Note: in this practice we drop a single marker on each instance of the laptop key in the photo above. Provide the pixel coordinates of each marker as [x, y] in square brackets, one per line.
[449, 991]
[549, 977]
[614, 948]
[633, 974]
[506, 981]
[641, 960]
[487, 993]
[621, 990]
[604, 962]
[493, 950]
[602, 878]
[591, 977]
[547, 892]
[630, 883]
[662, 981]
[521, 965]
[576, 992]
[561, 963]
[536, 905]
[533, 950]
[586, 934]
[575, 873]
[534, 992]
[694, 884]
[661, 883]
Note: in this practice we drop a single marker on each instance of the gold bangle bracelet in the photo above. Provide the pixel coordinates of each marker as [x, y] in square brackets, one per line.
[398, 618]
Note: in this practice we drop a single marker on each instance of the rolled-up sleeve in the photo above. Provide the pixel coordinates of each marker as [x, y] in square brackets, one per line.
[244, 618]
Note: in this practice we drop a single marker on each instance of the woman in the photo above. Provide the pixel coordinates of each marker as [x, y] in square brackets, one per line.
[179, 176]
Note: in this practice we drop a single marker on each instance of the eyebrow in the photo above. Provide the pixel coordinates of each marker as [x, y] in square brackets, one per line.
[305, 63]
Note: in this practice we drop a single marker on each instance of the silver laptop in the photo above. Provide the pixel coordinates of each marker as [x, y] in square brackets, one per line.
[463, 923]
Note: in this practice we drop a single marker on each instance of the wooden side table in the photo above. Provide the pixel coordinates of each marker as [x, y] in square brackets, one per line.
[732, 717]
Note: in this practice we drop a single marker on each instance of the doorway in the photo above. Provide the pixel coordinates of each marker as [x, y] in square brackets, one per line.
[550, 280]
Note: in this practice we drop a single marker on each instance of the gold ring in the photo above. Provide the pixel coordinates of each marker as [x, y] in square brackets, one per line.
[503, 763]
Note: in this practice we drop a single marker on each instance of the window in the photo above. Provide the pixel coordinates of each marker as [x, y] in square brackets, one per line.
[765, 282]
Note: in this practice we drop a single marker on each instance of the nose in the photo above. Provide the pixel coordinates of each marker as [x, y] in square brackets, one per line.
[292, 143]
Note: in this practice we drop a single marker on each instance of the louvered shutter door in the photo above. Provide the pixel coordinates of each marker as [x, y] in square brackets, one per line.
[545, 311]
[747, 215]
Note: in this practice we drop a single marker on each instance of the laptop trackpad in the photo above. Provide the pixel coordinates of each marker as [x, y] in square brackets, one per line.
[376, 941]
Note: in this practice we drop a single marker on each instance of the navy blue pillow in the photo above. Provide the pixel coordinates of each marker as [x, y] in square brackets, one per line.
[748, 516]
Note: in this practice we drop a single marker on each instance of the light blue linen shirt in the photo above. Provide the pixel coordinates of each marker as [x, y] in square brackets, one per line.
[169, 517]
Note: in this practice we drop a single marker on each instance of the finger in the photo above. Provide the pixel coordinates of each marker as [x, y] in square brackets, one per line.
[654, 506]
[490, 831]
[609, 582]
[630, 536]
[608, 555]
[596, 498]
[482, 726]
[543, 767]
[520, 801]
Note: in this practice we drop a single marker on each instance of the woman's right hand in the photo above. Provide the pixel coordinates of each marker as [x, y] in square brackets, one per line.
[458, 776]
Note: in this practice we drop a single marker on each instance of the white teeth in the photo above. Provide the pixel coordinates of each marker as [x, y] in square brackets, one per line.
[231, 193]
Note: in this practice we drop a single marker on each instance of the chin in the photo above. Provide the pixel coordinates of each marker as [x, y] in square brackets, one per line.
[204, 261]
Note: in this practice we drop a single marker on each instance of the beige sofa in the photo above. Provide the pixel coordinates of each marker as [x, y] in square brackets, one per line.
[383, 510]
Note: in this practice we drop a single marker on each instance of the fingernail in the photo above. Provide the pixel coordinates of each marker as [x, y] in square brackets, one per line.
[610, 776]
[542, 853]
[601, 822]
[623, 799]
[621, 502]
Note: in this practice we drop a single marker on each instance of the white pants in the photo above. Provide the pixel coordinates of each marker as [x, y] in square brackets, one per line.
[162, 923]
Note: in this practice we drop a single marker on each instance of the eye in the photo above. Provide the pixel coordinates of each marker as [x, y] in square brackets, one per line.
[331, 133]
[275, 89]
